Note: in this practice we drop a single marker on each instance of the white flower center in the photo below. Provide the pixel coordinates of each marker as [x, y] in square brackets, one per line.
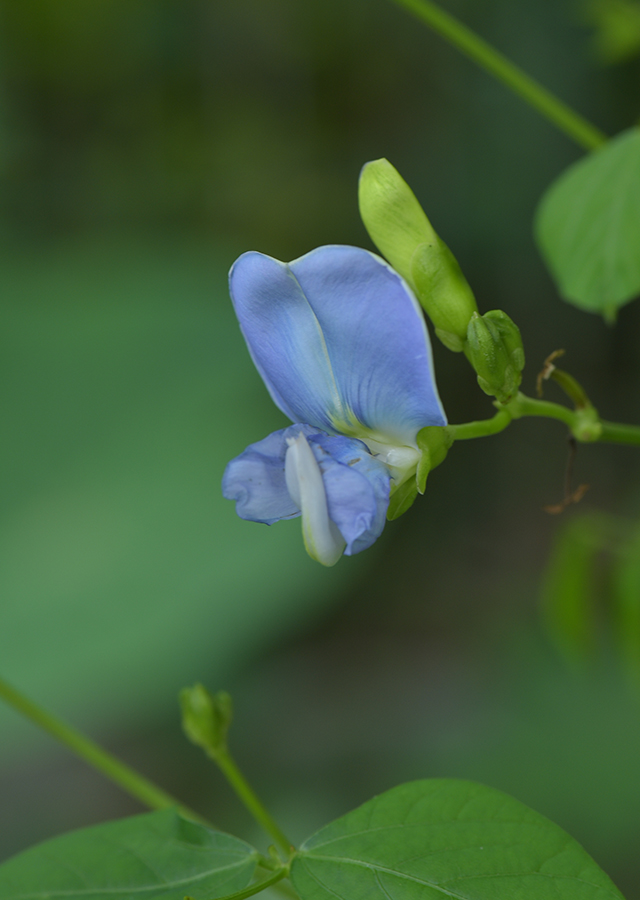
[402, 461]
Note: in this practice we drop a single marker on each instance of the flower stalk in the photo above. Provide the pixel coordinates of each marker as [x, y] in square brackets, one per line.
[206, 719]
[584, 423]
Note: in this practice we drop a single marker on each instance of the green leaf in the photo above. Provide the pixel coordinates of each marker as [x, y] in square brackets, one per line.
[445, 838]
[156, 855]
[588, 227]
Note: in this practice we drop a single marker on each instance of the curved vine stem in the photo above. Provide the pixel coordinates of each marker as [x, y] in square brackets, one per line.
[491, 60]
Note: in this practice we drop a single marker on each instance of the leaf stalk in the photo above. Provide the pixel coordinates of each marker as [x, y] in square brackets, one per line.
[135, 784]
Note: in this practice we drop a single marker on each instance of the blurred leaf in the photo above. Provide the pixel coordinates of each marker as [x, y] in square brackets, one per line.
[157, 855]
[434, 838]
[568, 591]
[572, 589]
[124, 574]
[588, 227]
[617, 28]
[627, 605]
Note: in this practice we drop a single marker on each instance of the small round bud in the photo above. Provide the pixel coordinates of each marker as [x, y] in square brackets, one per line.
[497, 369]
[510, 334]
[206, 717]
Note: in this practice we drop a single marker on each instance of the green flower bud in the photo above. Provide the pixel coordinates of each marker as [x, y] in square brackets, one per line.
[206, 718]
[443, 292]
[496, 359]
[510, 334]
[401, 231]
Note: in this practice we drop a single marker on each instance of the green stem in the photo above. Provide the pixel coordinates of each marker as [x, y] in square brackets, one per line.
[246, 794]
[584, 424]
[532, 92]
[482, 428]
[620, 434]
[521, 405]
[128, 779]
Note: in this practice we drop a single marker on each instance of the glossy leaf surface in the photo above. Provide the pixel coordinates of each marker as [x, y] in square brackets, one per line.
[156, 855]
[588, 227]
[438, 838]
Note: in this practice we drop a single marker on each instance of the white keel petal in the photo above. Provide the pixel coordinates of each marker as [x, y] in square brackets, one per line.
[322, 538]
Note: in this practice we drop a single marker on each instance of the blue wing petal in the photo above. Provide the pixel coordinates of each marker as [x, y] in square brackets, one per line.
[356, 486]
[255, 480]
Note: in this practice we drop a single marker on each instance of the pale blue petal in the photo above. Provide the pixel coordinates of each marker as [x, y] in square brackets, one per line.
[356, 484]
[376, 338]
[357, 489]
[337, 335]
[284, 339]
[255, 480]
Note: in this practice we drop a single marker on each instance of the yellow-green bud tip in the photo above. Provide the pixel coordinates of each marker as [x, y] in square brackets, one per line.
[401, 231]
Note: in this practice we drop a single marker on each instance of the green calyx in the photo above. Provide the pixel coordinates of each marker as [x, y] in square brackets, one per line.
[400, 229]
[206, 718]
[433, 442]
[494, 349]
[402, 499]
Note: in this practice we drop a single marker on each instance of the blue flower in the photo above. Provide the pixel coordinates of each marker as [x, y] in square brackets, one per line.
[341, 344]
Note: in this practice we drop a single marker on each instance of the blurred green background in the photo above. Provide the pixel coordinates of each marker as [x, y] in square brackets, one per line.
[143, 146]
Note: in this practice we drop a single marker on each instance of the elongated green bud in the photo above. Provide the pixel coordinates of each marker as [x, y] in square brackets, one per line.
[443, 291]
[496, 360]
[401, 231]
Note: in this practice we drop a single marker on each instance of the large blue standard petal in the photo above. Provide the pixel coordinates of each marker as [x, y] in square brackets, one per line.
[376, 339]
[339, 340]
